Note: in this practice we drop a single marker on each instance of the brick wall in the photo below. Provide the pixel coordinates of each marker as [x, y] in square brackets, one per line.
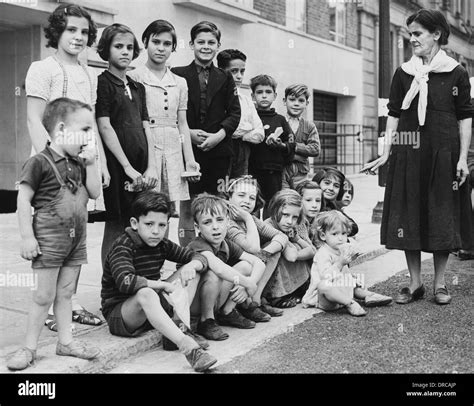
[318, 18]
[352, 26]
[318, 21]
[272, 10]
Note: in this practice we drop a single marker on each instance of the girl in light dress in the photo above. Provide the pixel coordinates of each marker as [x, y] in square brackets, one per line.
[332, 285]
[70, 30]
[167, 102]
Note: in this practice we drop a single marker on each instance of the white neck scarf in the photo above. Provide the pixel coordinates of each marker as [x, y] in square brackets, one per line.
[414, 67]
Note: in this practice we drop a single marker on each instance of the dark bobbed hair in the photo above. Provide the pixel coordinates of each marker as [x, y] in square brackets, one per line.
[157, 27]
[248, 179]
[263, 80]
[103, 48]
[205, 26]
[224, 57]
[432, 20]
[58, 22]
[331, 173]
[59, 110]
[150, 201]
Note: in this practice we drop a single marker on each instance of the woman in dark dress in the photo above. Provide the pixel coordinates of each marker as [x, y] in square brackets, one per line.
[426, 204]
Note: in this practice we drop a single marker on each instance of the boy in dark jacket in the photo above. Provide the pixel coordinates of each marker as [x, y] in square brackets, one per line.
[268, 158]
[213, 108]
[213, 116]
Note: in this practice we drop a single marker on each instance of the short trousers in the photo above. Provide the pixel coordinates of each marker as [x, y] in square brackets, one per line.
[117, 324]
[58, 249]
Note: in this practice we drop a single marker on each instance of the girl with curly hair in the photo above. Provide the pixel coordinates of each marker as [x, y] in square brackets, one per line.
[70, 30]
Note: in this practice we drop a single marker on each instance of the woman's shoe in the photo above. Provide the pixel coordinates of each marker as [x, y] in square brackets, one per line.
[442, 297]
[405, 296]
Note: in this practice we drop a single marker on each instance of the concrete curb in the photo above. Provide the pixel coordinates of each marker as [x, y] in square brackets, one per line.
[113, 349]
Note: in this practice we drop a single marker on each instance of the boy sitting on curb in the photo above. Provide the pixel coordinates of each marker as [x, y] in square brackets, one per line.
[132, 298]
[234, 273]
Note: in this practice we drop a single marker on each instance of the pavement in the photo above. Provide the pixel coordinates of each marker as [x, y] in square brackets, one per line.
[376, 264]
[417, 338]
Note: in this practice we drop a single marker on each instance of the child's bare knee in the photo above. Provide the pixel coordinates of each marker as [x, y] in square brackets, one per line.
[44, 298]
[66, 292]
[210, 278]
[244, 268]
[145, 295]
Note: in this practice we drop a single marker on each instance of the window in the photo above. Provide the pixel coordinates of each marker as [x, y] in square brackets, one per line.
[325, 117]
[337, 21]
[296, 14]
[244, 3]
[456, 7]
[463, 10]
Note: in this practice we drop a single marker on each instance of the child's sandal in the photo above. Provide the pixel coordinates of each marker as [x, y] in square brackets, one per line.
[284, 303]
[83, 316]
[355, 309]
[50, 322]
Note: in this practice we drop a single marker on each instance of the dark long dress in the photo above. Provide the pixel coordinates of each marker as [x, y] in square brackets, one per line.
[126, 118]
[424, 207]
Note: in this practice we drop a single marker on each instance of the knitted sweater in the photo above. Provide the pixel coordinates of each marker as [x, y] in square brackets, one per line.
[271, 158]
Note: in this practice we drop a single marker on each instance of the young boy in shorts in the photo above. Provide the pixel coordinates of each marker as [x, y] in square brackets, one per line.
[132, 292]
[57, 183]
[233, 273]
[306, 136]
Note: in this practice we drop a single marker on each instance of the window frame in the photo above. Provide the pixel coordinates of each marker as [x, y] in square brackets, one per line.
[336, 35]
[291, 20]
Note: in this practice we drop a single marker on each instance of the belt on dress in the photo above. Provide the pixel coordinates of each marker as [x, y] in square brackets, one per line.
[163, 122]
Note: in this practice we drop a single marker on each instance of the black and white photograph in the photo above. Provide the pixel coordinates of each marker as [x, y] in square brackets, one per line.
[236, 187]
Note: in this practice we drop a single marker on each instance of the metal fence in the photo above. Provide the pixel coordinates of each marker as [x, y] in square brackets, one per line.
[345, 146]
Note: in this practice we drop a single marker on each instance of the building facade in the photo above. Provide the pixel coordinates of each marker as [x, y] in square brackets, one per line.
[330, 45]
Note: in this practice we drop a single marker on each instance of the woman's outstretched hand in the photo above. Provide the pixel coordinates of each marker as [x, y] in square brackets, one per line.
[371, 167]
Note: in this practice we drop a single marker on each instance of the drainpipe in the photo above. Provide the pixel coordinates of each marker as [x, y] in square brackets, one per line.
[384, 90]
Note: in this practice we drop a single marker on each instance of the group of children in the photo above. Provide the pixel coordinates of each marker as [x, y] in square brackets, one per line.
[268, 238]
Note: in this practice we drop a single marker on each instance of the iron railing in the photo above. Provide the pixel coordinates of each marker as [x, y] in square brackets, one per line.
[346, 147]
